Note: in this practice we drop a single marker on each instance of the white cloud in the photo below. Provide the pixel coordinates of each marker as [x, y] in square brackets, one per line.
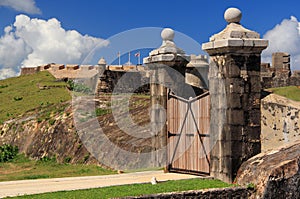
[7, 72]
[27, 6]
[284, 37]
[31, 42]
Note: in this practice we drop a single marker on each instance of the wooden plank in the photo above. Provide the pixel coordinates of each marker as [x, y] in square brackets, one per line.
[189, 154]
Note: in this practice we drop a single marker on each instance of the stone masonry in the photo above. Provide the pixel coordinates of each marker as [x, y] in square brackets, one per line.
[280, 122]
[235, 93]
[167, 65]
[279, 74]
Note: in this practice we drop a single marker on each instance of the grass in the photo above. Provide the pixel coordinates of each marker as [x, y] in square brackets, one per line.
[101, 111]
[21, 94]
[135, 190]
[290, 92]
[22, 168]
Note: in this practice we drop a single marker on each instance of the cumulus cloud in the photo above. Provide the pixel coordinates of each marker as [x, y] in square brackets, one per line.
[7, 72]
[284, 37]
[32, 42]
[27, 6]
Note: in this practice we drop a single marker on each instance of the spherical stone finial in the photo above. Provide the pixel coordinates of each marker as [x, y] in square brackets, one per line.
[167, 34]
[233, 15]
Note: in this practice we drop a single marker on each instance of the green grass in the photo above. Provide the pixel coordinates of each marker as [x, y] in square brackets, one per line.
[290, 92]
[22, 168]
[135, 190]
[101, 111]
[21, 94]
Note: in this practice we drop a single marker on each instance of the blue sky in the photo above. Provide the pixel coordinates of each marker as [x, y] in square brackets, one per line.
[81, 25]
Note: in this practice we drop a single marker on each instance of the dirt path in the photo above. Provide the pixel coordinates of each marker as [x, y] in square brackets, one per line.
[22, 187]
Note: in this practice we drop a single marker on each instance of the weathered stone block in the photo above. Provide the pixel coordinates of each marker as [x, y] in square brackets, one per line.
[236, 148]
[254, 101]
[222, 148]
[207, 45]
[232, 132]
[235, 116]
[232, 71]
[255, 84]
[254, 117]
[236, 132]
[250, 149]
[249, 42]
[253, 63]
[235, 85]
[253, 133]
[261, 43]
[234, 101]
[276, 174]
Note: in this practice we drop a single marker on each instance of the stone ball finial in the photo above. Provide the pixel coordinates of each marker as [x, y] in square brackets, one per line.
[233, 15]
[167, 34]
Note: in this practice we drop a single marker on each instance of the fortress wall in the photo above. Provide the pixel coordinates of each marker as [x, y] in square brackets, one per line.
[280, 122]
[279, 81]
[136, 78]
[29, 71]
[123, 81]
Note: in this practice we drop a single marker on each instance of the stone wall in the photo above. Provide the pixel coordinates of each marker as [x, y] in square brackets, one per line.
[123, 81]
[279, 73]
[280, 122]
[280, 81]
[29, 71]
[132, 78]
[237, 192]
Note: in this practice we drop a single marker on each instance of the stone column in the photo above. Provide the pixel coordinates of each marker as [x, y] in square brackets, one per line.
[102, 84]
[235, 92]
[167, 68]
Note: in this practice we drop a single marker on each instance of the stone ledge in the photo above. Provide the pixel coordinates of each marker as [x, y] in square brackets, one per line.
[258, 43]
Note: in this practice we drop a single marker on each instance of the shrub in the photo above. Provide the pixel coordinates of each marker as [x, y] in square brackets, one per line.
[18, 98]
[78, 87]
[39, 120]
[8, 152]
[86, 157]
[67, 159]
[48, 159]
[100, 111]
[51, 121]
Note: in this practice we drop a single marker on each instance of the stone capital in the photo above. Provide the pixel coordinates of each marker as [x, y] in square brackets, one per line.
[233, 45]
[235, 39]
[168, 53]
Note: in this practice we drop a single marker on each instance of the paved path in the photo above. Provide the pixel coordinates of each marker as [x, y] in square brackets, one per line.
[22, 187]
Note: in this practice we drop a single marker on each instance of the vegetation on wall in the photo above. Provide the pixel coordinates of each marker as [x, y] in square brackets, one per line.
[78, 87]
[8, 152]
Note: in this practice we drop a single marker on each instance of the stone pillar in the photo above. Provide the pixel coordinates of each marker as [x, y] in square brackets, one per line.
[235, 92]
[101, 84]
[167, 68]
